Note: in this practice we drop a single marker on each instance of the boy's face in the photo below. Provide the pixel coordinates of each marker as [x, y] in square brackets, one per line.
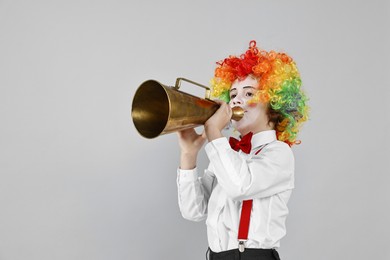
[255, 116]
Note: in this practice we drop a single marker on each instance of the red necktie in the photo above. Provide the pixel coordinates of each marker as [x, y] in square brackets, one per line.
[244, 144]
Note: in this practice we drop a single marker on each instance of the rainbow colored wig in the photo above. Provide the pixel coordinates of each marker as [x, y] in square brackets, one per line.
[280, 87]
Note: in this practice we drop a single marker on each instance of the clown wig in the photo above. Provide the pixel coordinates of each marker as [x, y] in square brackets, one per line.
[280, 87]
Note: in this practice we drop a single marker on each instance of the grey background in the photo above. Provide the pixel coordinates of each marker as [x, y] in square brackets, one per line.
[78, 182]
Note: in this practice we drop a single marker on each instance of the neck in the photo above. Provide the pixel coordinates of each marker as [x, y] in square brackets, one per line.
[258, 130]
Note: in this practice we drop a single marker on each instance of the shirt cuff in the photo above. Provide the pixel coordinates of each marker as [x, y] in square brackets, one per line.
[187, 175]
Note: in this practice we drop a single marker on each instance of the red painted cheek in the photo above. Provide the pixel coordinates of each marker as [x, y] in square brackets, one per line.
[251, 104]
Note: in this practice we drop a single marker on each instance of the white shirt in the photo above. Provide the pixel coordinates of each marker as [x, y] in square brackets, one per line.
[267, 178]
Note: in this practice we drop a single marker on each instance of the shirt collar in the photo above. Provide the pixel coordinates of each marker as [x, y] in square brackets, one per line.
[263, 137]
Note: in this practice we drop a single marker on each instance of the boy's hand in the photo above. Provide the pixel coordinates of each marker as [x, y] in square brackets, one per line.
[190, 143]
[217, 122]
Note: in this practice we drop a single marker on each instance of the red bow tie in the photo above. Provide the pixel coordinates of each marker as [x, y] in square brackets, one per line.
[244, 144]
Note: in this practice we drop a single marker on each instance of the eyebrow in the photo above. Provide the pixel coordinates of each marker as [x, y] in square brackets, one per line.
[243, 88]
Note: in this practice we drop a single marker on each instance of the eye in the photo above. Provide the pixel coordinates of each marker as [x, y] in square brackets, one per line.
[232, 96]
[249, 94]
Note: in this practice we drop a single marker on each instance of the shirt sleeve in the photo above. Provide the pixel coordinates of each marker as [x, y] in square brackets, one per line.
[194, 193]
[245, 176]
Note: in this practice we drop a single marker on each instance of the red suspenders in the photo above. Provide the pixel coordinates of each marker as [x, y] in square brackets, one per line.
[244, 220]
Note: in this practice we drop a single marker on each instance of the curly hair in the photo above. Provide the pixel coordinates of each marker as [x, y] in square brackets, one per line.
[280, 87]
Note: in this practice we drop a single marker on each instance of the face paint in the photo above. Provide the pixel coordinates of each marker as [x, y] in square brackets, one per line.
[255, 116]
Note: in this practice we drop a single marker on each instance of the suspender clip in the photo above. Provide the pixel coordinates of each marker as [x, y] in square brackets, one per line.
[241, 245]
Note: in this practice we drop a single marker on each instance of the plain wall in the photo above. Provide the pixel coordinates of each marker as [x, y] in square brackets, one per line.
[78, 182]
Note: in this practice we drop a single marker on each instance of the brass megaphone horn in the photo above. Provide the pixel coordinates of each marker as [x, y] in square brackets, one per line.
[158, 109]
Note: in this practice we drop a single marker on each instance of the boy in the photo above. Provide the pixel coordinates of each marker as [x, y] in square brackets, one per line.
[244, 192]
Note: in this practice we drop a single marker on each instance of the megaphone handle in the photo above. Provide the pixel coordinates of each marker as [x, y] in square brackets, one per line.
[178, 82]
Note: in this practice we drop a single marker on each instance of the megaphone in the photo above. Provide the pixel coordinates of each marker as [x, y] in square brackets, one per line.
[158, 109]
